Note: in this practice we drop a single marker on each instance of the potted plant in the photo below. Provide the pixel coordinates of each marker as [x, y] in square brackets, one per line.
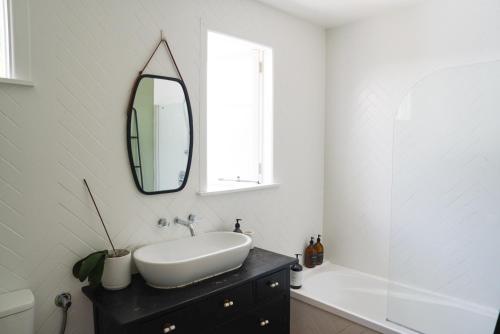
[110, 268]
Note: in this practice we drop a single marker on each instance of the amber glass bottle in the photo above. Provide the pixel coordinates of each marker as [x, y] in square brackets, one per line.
[318, 247]
[310, 255]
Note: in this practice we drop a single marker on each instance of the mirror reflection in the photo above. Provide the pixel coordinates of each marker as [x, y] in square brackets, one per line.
[160, 134]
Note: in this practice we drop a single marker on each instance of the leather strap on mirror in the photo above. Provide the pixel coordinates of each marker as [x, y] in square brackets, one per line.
[163, 41]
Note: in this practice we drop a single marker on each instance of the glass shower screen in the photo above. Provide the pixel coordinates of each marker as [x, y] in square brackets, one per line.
[445, 237]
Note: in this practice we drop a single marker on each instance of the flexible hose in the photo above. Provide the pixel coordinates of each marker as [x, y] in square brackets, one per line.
[63, 301]
[64, 320]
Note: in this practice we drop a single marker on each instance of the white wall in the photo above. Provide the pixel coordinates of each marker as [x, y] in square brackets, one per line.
[371, 66]
[86, 55]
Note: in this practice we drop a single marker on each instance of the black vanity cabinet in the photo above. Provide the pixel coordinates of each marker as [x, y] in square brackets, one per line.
[253, 299]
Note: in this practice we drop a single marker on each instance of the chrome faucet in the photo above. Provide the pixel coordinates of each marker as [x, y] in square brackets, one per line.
[189, 223]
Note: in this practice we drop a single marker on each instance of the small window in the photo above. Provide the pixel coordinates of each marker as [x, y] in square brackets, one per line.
[239, 113]
[5, 54]
[15, 64]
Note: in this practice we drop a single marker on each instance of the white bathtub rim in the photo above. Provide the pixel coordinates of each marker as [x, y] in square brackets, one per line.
[383, 326]
[377, 323]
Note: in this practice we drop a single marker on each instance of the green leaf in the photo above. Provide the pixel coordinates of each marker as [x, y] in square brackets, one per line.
[96, 273]
[76, 268]
[90, 263]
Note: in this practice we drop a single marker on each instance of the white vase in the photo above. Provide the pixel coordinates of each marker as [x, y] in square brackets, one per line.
[117, 270]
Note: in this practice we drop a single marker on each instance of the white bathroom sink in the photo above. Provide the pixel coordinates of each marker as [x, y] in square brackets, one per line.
[177, 263]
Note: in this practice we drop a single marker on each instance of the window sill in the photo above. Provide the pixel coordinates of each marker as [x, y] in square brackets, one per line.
[17, 82]
[236, 189]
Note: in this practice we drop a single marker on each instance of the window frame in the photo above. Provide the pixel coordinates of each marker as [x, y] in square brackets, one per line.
[19, 44]
[266, 145]
[6, 13]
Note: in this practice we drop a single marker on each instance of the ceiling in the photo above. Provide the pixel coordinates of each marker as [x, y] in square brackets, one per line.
[332, 13]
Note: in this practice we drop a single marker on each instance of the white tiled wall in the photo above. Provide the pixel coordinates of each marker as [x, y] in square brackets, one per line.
[86, 55]
[371, 66]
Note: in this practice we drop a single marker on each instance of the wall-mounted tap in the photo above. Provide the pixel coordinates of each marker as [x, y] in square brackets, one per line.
[189, 223]
[163, 223]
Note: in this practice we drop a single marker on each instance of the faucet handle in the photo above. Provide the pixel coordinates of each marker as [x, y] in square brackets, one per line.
[163, 223]
[192, 218]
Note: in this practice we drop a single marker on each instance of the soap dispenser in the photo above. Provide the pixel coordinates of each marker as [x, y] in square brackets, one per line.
[237, 226]
[310, 255]
[319, 251]
[296, 274]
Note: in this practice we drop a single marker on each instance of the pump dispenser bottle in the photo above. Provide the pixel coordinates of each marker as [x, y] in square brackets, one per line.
[318, 247]
[237, 226]
[310, 255]
[296, 274]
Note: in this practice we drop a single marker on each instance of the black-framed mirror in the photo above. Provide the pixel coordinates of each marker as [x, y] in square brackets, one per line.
[160, 134]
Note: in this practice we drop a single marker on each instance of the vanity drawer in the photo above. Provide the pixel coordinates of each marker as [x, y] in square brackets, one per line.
[265, 319]
[177, 322]
[270, 318]
[230, 303]
[236, 326]
[271, 286]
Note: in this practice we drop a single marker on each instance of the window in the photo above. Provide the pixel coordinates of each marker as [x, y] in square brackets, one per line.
[239, 114]
[4, 39]
[14, 42]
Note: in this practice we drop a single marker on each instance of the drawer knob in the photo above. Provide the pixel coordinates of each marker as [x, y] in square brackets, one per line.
[273, 284]
[228, 303]
[169, 328]
[264, 323]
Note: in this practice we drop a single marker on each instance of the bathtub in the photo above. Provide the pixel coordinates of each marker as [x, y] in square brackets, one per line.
[363, 299]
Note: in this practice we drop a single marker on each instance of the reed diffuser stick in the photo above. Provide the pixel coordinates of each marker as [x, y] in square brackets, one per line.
[100, 217]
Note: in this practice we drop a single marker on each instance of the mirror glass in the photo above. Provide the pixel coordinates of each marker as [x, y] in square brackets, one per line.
[160, 134]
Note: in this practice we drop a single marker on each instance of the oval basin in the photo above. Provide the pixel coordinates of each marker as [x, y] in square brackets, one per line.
[177, 263]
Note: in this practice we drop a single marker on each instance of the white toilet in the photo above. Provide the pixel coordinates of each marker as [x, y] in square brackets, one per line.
[16, 312]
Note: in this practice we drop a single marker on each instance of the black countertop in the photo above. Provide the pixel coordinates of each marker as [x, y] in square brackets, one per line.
[139, 301]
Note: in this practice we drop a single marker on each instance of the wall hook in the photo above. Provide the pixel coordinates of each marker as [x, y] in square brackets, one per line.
[163, 41]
